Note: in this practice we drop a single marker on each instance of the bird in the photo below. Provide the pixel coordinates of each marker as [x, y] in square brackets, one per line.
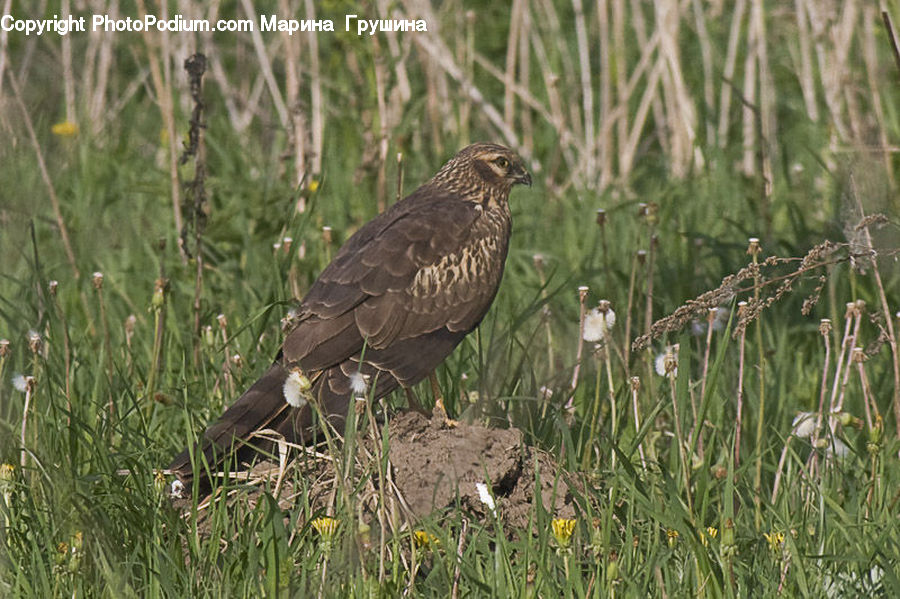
[397, 298]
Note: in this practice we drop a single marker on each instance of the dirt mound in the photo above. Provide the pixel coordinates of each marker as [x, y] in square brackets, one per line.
[434, 464]
[433, 467]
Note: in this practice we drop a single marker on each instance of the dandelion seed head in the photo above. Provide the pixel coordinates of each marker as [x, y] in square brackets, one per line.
[804, 425]
[20, 383]
[97, 280]
[34, 341]
[176, 489]
[666, 363]
[485, 496]
[358, 384]
[598, 322]
[295, 388]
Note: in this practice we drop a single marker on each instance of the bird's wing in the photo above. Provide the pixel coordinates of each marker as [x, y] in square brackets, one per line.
[367, 294]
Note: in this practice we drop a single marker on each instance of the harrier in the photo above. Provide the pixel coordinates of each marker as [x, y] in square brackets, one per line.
[396, 299]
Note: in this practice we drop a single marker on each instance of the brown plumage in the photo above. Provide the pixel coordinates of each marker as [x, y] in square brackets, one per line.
[400, 294]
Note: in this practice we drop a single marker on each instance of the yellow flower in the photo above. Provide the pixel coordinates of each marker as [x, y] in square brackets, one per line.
[325, 526]
[711, 532]
[425, 540]
[562, 531]
[65, 129]
[313, 186]
[672, 536]
[775, 540]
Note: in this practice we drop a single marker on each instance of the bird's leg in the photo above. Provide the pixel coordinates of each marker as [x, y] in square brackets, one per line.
[439, 400]
[414, 403]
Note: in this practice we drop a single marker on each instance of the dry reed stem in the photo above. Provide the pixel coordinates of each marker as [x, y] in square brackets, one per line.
[855, 312]
[457, 570]
[805, 75]
[639, 25]
[297, 129]
[709, 93]
[435, 48]
[315, 95]
[728, 70]
[68, 77]
[161, 85]
[265, 65]
[509, 73]
[29, 392]
[870, 58]
[587, 93]
[582, 296]
[635, 383]
[4, 43]
[619, 61]
[740, 390]
[603, 144]
[825, 330]
[103, 47]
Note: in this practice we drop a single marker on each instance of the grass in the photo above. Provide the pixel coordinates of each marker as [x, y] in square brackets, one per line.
[113, 399]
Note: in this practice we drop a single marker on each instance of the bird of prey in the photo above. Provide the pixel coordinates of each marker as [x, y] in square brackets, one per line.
[397, 298]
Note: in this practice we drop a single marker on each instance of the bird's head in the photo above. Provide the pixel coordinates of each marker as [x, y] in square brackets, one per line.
[486, 165]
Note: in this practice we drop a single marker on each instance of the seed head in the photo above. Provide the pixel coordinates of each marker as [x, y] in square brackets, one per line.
[804, 425]
[358, 384]
[485, 496]
[34, 341]
[598, 322]
[97, 280]
[753, 247]
[296, 388]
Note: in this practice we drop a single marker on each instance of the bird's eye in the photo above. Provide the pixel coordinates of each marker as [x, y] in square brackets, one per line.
[501, 162]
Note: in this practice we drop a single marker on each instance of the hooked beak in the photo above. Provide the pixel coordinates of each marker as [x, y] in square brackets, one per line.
[523, 177]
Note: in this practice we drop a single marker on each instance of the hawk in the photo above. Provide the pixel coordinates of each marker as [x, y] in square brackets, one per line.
[397, 298]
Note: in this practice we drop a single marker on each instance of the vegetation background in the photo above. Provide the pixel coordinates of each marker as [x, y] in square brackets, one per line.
[662, 137]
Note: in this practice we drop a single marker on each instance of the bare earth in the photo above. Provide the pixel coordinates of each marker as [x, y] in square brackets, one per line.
[433, 467]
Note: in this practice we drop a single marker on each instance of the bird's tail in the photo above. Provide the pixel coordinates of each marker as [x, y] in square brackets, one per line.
[261, 406]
